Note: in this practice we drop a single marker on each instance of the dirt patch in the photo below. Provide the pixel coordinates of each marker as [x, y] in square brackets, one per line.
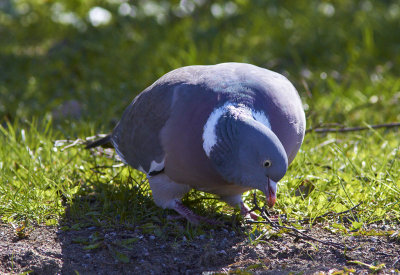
[49, 250]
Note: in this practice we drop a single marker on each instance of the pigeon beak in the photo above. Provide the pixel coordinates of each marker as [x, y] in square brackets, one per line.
[271, 193]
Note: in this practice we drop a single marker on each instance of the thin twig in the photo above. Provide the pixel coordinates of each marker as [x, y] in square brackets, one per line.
[97, 171]
[331, 213]
[398, 260]
[108, 166]
[353, 129]
[293, 231]
[76, 142]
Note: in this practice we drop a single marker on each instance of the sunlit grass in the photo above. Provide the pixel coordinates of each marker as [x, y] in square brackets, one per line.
[34, 177]
[345, 169]
[342, 56]
[41, 181]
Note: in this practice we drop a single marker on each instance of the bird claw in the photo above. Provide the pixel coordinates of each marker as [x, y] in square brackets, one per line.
[190, 216]
[195, 219]
[244, 210]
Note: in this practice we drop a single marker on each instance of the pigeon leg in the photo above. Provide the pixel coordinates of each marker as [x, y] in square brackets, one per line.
[168, 194]
[244, 210]
[236, 200]
[190, 215]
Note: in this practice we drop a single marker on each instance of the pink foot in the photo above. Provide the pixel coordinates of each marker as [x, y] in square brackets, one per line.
[190, 216]
[244, 210]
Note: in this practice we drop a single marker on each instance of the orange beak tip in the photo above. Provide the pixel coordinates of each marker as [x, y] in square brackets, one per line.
[271, 201]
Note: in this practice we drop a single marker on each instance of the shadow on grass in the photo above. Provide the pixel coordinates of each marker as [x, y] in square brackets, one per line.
[112, 226]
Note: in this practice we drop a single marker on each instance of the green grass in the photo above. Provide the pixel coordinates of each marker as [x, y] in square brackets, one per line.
[346, 169]
[345, 66]
[41, 180]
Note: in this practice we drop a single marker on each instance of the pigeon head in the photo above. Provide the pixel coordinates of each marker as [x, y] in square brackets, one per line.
[245, 151]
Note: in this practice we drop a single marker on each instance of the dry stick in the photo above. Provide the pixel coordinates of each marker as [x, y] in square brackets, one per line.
[76, 142]
[353, 129]
[297, 233]
[396, 262]
[331, 213]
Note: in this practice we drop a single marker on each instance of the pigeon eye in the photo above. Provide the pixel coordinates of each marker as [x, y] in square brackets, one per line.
[267, 163]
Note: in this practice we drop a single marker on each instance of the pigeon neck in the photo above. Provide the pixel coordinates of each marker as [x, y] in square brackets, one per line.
[223, 114]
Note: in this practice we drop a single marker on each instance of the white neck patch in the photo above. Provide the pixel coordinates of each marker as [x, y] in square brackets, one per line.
[209, 135]
[155, 166]
[261, 117]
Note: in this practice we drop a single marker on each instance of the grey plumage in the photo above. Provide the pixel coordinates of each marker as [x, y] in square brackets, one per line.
[251, 114]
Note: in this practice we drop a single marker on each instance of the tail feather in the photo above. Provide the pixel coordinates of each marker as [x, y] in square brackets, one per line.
[99, 142]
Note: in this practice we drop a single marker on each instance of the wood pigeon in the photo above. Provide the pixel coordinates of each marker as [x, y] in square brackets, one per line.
[222, 129]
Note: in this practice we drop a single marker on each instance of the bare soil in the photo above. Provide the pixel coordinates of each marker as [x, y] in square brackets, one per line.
[92, 250]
